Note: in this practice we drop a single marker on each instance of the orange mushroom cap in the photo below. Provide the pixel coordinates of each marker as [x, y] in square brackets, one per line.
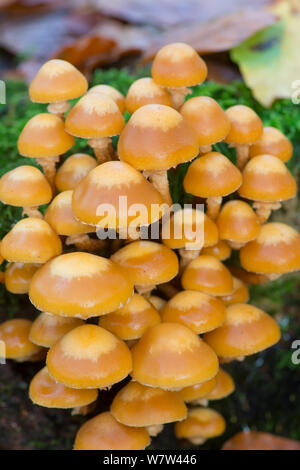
[198, 391]
[171, 356]
[220, 250]
[272, 142]
[250, 440]
[73, 170]
[47, 329]
[112, 93]
[203, 423]
[237, 222]
[44, 136]
[246, 330]
[157, 137]
[224, 386]
[146, 91]
[246, 127]
[15, 335]
[103, 432]
[240, 294]
[89, 357]
[18, 277]
[80, 285]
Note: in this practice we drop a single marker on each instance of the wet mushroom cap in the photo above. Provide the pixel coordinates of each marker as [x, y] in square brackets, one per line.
[112, 93]
[147, 263]
[94, 116]
[246, 330]
[201, 422]
[103, 432]
[97, 199]
[89, 357]
[224, 386]
[18, 277]
[272, 142]
[221, 250]
[80, 285]
[171, 356]
[276, 250]
[196, 310]
[146, 91]
[198, 391]
[157, 137]
[57, 80]
[15, 335]
[132, 320]
[208, 119]
[31, 240]
[73, 170]
[212, 175]
[25, 186]
[207, 274]
[245, 125]
[45, 391]
[140, 406]
[178, 65]
[239, 295]
[47, 329]
[237, 222]
[44, 136]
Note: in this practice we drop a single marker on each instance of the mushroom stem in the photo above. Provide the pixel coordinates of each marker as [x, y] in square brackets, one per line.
[201, 402]
[155, 429]
[205, 149]
[83, 410]
[103, 149]
[186, 256]
[213, 206]
[178, 96]
[226, 360]
[145, 291]
[59, 108]
[159, 179]
[235, 245]
[48, 164]
[168, 290]
[197, 440]
[84, 242]
[273, 277]
[264, 209]
[32, 212]
[242, 155]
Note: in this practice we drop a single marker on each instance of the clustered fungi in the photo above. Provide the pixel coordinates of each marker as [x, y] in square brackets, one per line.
[170, 343]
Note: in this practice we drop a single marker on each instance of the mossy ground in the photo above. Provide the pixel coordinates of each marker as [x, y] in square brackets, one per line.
[267, 383]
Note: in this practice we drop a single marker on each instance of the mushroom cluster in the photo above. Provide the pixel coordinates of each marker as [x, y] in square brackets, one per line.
[142, 307]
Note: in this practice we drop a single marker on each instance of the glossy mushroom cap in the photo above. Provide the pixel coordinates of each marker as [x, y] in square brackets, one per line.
[73, 170]
[203, 423]
[47, 329]
[57, 80]
[132, 320]
[207, 274]
[140, 406]
[178, 65]
[89, 357]
[276, 250]
[196, 310]
[147, 263]
[80, 285]
[189, 227]
[246, 330]
[95, 115]
[44, 391]
[238, 222]
[31, 240]
[112, 93]
[212, 175]
[15, 335]
[245, 125]
[208, 119]
[157, 137]
[146, 91]
[272, 142]
[240, 294]
[103, 432]
[220, 250]
[44, 136]
[266, 178]
[59, 215]
[224, 386]
[25, 186]
[198, 391]
[171, 356]
[18, 277]
[103, 188]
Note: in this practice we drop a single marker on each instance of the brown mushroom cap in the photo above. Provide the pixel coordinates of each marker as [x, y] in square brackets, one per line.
[103, 432]
[57, 80]
[220, 250]
[112, 93]
[212, 175]
[44, 391]
[15, 335]
[147, 263]
[246, 127]
[272, 142]
[246, 330]
[276, 250]
[47, 329]
[237, 222]
[239, 295]
[171, 356]
[207, 274]
[89, 357]
[202, 423]
[266, 178]
[140, 406]
[198, 391]
[146, 91]
[157, 137]
[18, 277]
[196, 310]
[208, 119]
[73, 170]
[44, 136]
[80, 285]
[31, 240]
[224, 386]
[178, 65]
[250, 440]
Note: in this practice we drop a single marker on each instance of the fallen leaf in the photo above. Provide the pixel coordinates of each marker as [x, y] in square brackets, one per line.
[260, 441]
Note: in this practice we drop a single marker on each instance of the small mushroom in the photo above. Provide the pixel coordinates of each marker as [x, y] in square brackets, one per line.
[15, 335]
[18, 277]
[200, 425]
[223, 388]
[240, 294]
[73, 170]
[176, 67]
[272, 142]
[220, 250]
[196, 392]
[47, 329]
[146, 91]
[112, 93]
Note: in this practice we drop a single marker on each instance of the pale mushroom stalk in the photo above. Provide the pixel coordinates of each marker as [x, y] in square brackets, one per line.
[155, 429]
[84, 242]
[59, 108]
[203, 149]
[242, 155]
[201, 402]
[213, 206]
[49, 168]
[145, 291]
[103, 149]
[83, 410]
[264, 209]
[32, 212]
[178, 95]
[235, 245]
[159, 179]
[197, 441]
[186, 256]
